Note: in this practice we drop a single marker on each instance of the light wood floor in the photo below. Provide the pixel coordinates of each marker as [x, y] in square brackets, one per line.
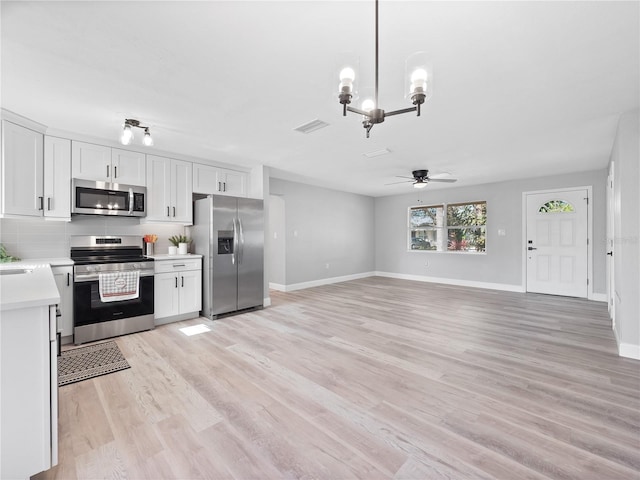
[370, 379]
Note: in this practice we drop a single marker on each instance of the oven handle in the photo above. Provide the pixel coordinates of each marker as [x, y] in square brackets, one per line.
[94, 277]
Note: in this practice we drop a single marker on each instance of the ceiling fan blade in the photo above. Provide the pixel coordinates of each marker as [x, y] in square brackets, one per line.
[402, 176]
[404, 181]
[443, 180]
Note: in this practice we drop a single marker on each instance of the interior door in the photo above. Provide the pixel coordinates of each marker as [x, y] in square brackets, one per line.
[557, 243]
[610, 235]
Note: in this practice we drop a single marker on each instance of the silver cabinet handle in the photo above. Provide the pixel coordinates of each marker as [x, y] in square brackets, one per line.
[168, 212]
[174, 211]
[68, 279]
[115, 171]
[107, 171]
[182, 278]
[48, 203]
[41, 200]
[177, 265]
[176, 282]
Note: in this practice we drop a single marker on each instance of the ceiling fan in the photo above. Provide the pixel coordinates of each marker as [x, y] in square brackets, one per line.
[421, 178]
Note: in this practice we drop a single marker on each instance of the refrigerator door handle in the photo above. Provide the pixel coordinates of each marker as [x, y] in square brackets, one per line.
[235, 243]
[241, 242]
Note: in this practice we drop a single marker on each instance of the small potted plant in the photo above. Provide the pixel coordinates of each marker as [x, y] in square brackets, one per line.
[180, 245]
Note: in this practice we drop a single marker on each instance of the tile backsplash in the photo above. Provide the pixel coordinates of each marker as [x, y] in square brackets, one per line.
[38, 238]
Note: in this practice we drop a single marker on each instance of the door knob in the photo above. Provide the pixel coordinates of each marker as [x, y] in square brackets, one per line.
[610, 253]
[531, 248]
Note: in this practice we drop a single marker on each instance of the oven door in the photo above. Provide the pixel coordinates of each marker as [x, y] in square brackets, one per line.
[89, 309]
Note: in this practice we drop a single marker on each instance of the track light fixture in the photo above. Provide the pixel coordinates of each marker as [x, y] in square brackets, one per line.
[127, 132]
[418, 81]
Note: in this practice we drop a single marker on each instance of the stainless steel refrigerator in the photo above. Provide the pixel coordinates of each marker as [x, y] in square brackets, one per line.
[229, 233]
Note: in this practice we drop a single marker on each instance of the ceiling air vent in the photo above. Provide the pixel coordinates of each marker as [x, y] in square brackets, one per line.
[377, 153]
[311, 126]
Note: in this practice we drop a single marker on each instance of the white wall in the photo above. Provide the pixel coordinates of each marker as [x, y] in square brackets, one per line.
[277, 241]
[501, 266]
[325, 228]
[626, 241]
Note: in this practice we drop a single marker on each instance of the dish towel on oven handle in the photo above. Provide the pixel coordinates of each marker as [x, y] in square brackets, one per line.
[118, 286]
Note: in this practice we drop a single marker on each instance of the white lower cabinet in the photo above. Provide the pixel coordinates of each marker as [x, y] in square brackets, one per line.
[178, 289]
[64, 281]
[28, 392]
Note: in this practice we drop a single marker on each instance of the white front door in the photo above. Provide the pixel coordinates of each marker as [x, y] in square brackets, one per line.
[556, 242]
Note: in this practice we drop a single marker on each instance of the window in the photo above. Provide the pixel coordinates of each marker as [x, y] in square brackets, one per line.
[426, 227]
[556, 206]
[462, 229]
[466, 227]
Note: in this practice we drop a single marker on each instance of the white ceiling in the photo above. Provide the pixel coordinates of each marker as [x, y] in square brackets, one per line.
[521, 89]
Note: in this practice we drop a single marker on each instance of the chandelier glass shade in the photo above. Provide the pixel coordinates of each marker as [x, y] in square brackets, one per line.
[418, 80]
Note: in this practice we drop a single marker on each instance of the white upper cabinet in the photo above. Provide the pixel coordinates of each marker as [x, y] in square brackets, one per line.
[57, 173]
[213, 180]
[232, 183]
[169, 189]
[106, 164]
[128, 167]
[22, 171]
[90, 162]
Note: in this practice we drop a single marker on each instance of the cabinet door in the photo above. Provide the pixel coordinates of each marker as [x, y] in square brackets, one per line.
[158, 189]
[64, 281]
[166, 295]
[232, 183]
[128, 167]
[91, 162]
[190, 291]
[205, 179]
[57, 173]
[182, 189]
[22, 171]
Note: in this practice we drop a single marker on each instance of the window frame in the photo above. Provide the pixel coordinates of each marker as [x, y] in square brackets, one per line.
[445, 228]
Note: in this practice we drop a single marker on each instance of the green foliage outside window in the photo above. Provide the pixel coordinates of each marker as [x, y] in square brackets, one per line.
[463, 227]
[466, 227]
[556, 206]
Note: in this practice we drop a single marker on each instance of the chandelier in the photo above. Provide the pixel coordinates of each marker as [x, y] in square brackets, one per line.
[127, 132]
[417, 81]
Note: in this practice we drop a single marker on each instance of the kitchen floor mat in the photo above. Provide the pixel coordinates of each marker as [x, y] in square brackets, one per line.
[82, 363]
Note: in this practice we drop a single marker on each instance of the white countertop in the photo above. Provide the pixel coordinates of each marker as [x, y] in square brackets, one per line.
[35, 288]
[173, 257]
[53, 262]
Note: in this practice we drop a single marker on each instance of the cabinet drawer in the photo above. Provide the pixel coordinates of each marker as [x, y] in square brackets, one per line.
[177, 265]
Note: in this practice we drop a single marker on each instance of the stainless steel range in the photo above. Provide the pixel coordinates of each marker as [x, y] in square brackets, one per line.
[93, 318]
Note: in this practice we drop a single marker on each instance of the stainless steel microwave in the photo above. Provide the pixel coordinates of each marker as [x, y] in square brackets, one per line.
[103, 198]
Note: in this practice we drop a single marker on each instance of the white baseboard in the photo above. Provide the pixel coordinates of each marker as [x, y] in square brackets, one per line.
[266, 302]
[454, 281]
[277, 286]
[628, 350]
[317, 283]
[598, 297]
